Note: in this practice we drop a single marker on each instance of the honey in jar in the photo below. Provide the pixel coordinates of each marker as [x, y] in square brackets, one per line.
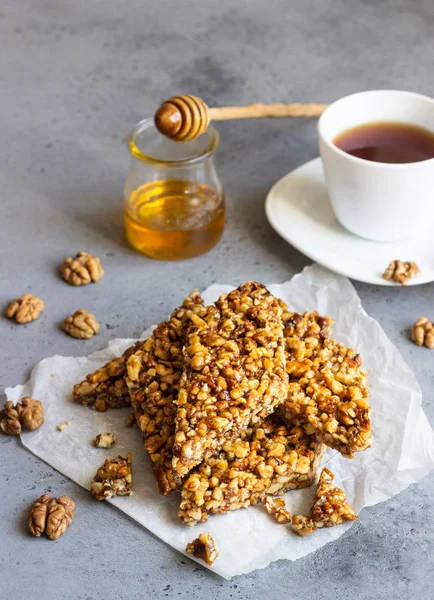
[174, 202]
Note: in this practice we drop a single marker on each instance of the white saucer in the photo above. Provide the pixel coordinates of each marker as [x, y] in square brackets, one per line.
[299, 209]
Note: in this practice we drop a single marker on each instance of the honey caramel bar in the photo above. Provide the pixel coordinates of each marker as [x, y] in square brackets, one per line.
[271, 460]
[234, 371]
[153, 378]
[327, 390]
[106, 388]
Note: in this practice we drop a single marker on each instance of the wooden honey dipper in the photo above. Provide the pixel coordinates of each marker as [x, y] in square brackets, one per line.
[184, 118]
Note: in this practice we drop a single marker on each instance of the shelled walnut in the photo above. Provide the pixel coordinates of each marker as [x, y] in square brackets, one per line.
[51, 516]
[81, 325]
[81, 270]
[203, 547]
[10, 419]
[25, 309]
[29, 413]
[401, 271]
[422, 332]
[104, 440]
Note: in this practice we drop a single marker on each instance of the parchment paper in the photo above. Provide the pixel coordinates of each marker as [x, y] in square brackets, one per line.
[248, 539]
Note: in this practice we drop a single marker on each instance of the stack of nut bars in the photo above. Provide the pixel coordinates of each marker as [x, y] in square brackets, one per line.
[237, 401]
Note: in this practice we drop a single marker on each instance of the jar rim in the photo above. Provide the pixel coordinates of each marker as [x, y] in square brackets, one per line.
[144, 124]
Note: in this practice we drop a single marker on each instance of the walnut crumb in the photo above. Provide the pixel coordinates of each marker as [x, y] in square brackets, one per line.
[104, 440]
[329, 508]
[422, 333]
[401, 271]
[10, 419]
[51, 516]
[63, 425]
[81, 325]
[25, 309]
[276, 507]
[302, 525]
[113, 478]
[28, 413]
[204, 548]
[81, 270]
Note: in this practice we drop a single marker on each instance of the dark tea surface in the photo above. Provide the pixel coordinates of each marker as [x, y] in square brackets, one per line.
[387, 142]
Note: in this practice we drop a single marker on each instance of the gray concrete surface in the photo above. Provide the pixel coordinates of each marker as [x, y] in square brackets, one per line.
[75, 76]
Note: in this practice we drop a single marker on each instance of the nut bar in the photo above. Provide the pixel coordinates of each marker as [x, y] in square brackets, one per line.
[113, 478]
[329, 508]
[106, 388]
[234, 372]
[327, 391]
[153, 378]
[270, 461]
[203, 547]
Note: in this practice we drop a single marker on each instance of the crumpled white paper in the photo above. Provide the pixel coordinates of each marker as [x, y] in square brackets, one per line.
[248, 539]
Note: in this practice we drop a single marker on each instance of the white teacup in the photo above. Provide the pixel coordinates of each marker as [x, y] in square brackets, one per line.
[378, 201]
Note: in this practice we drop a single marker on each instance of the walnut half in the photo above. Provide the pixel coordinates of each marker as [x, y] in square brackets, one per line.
[51, 516]
[422, 333]
[10, 419]
[81, 325]
[29, 413]
[401, 271]
[25, 309]
[81, 270]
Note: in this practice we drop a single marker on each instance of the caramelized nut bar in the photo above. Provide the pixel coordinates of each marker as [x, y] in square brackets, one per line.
[329, 507]
[106, 388]
[270, 461]
[276, 507]
[234, 372]
[203, 547]
[327, 390]
[153, 378]
[113, 478]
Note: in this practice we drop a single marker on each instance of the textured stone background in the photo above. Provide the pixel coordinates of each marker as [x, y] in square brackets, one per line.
[75, 76]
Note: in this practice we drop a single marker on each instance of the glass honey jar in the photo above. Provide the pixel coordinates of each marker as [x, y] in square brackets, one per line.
[174, 203]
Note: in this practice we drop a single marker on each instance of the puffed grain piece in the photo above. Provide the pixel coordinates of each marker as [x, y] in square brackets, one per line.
[327, 390]
[271, 460]
[153, 374]
[106, 388]
[234, 371]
